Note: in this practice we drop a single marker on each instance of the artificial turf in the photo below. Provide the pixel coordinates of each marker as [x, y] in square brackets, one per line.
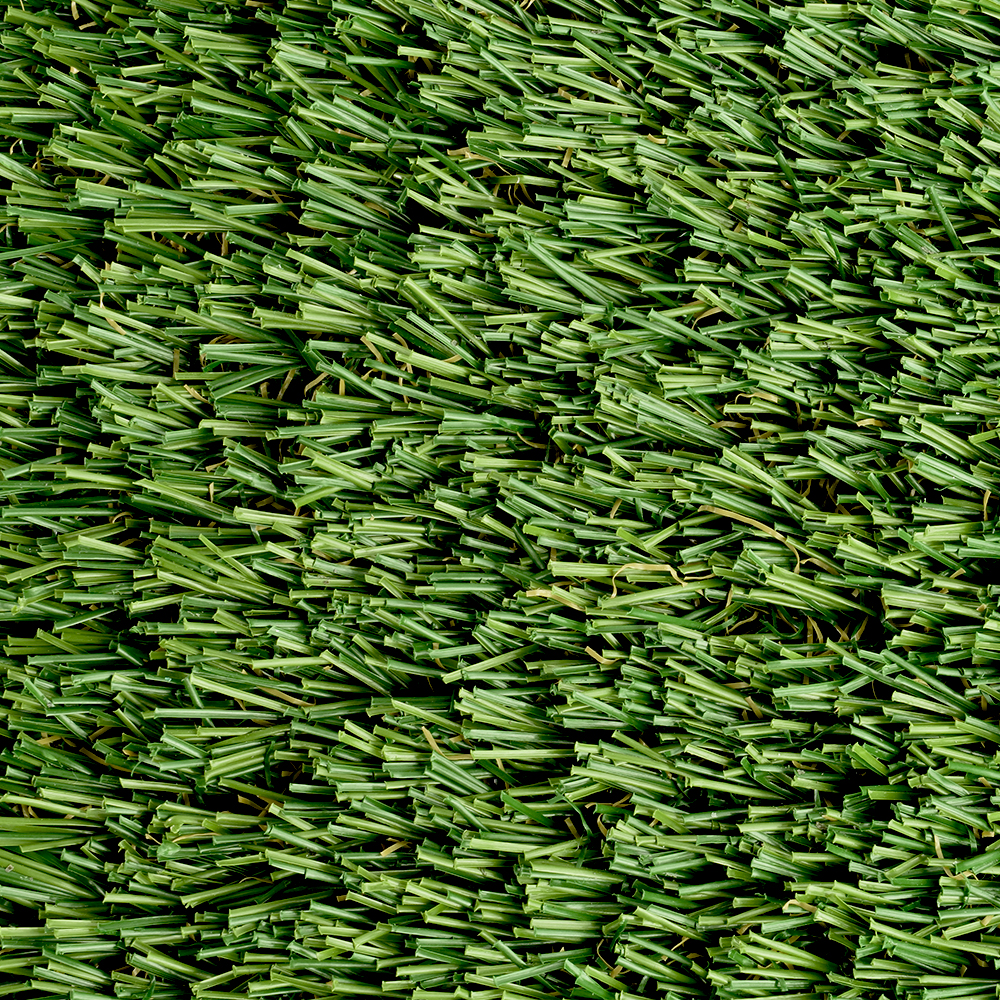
[498, 501]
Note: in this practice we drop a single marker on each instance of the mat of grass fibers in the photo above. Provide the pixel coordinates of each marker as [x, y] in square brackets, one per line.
[499, 501]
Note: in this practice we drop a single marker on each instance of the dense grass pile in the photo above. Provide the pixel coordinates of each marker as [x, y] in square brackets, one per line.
[498, 501]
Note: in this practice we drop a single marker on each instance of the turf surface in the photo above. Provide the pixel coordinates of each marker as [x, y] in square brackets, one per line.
[498, 501]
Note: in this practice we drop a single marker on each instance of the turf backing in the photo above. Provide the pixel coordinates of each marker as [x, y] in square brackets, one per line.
[498, 501]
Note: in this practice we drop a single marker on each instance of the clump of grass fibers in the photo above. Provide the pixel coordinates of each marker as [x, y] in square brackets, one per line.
[499, 500]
